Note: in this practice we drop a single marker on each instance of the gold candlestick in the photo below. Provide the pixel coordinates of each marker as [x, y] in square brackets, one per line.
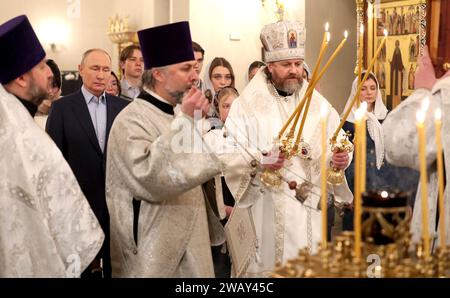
[359, 114]
[366, 75]
[323, 173]
[423, 181]
[312, 84]
[360, 55]
[361, 51]
[440, 168]
[297, 112]
[363, 147]
[325, 68]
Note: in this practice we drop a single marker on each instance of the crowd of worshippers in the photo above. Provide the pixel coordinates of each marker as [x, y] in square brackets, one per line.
[92, 187]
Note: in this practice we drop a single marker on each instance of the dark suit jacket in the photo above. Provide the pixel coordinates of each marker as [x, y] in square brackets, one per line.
[70, 126]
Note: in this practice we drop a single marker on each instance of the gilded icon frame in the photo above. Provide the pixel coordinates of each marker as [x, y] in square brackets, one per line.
[405, 21]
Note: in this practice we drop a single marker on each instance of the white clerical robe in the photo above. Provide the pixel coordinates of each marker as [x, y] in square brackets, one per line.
[283, 224]
[402, 149]
[47, 228]
[147, 161]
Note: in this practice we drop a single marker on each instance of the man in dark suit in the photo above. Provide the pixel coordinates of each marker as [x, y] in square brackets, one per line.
[79, 124]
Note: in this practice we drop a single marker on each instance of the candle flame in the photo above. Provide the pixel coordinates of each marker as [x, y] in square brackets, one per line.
[346, 34]
[438, 114]
[385, 33]
[323, 110]
[361, 29]
[420, 115]
[327, 26]
[359, 113]
[328, 36]
[425, 104]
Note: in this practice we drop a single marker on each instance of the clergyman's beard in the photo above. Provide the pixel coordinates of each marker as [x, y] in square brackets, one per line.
[178, 95]
[37, 95]
[290, 87]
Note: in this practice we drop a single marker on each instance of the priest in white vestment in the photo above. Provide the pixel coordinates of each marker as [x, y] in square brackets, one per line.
[47, 228]
[401, 141]
[159, 217]
[283, 223]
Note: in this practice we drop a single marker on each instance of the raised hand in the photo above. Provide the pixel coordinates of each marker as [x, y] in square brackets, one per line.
[194, 100]
[425, 76]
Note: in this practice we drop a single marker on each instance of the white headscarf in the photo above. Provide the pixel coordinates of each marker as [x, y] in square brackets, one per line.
[373, 125]
[207, 80]
[308, 70]
[208, 85]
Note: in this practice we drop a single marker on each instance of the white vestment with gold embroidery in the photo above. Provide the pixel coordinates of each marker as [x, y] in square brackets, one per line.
[47, 228]
[283, 224]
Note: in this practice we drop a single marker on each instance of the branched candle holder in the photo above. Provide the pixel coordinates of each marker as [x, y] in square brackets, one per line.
[287, 147]
[336, 176]
[387, 250]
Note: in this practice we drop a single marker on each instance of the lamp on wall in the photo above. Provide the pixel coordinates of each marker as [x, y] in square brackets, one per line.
[53, 34]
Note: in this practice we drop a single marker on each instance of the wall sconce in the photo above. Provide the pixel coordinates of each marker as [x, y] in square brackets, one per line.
[53, 34]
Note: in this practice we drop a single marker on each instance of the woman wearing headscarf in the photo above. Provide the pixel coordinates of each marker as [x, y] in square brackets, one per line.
[216, 189]
[380, 175]
[219, 74]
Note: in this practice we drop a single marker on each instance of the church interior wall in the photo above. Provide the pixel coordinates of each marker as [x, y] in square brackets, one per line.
[224, 28]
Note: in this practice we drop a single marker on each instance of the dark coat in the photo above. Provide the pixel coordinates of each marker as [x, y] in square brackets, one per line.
[70, 126]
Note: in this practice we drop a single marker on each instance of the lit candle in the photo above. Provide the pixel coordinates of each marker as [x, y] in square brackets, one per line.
[322, 72]
[323, 47]
[361, 51]
[360, 57]
[312, 84]
[363, 147]
[298, 110]
[323, 172]
[333, 56]
[357, 183]
[423, 180]
[358, 91]
[440, 168]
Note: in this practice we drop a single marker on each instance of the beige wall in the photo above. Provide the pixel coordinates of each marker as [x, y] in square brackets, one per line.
[212, 22]
[341, 14]
[83, 26]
